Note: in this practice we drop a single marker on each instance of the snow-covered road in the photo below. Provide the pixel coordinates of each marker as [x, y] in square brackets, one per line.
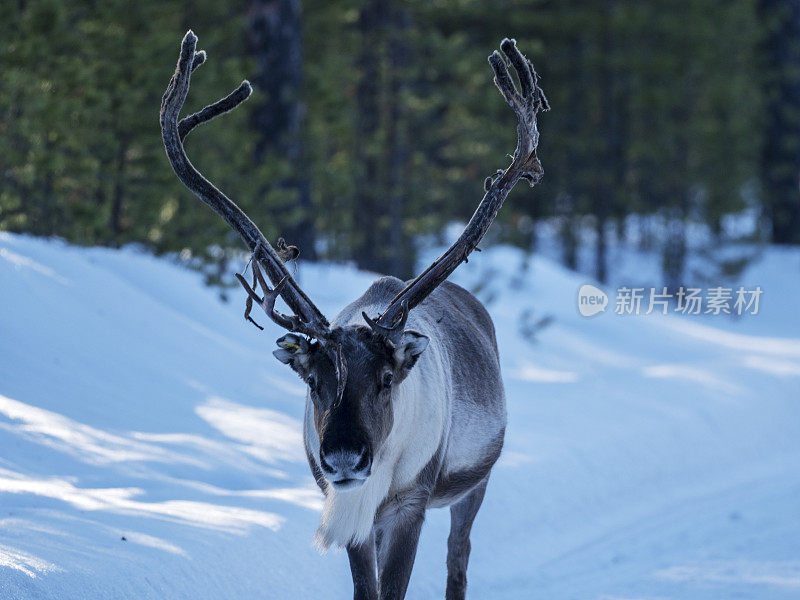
[150, 445]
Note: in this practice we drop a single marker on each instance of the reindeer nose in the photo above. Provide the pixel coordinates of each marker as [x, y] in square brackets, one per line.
[345, 465]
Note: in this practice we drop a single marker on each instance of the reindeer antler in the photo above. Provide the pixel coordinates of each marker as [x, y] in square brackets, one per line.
[307, 318]
[526, 102]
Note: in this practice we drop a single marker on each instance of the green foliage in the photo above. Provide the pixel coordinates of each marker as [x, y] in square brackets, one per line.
[81, 88]
[655, 110]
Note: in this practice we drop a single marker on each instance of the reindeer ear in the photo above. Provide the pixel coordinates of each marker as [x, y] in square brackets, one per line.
[293, 350]
[411, 346]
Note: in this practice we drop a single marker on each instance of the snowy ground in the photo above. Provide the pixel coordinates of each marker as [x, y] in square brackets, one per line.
[150, 444]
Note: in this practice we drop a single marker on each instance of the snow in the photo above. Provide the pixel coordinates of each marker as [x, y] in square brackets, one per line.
[647, 457]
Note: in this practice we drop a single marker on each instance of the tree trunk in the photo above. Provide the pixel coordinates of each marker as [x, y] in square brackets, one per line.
[565, 208]
[401, 257]
[115, 218]
[371, 245]
[275, 36]
[780, 159]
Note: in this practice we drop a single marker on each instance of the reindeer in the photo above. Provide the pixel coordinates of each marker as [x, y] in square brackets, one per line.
[405, 410]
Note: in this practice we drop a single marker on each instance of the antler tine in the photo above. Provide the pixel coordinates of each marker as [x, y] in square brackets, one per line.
[267, 303]
[307, 318]
[527, 103]
[226, 104]
[393, 333]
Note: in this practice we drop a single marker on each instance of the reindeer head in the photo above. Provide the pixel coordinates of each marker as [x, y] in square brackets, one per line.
[352, 372]
[352, 390]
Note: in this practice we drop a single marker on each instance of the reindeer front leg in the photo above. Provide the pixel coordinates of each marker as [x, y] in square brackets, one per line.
[399, 524]
[362, 568]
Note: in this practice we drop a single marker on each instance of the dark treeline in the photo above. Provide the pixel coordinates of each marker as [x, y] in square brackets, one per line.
[375, 121]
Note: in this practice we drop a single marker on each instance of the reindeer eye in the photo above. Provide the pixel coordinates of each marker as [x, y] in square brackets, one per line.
[387, 380]
[312, 383]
